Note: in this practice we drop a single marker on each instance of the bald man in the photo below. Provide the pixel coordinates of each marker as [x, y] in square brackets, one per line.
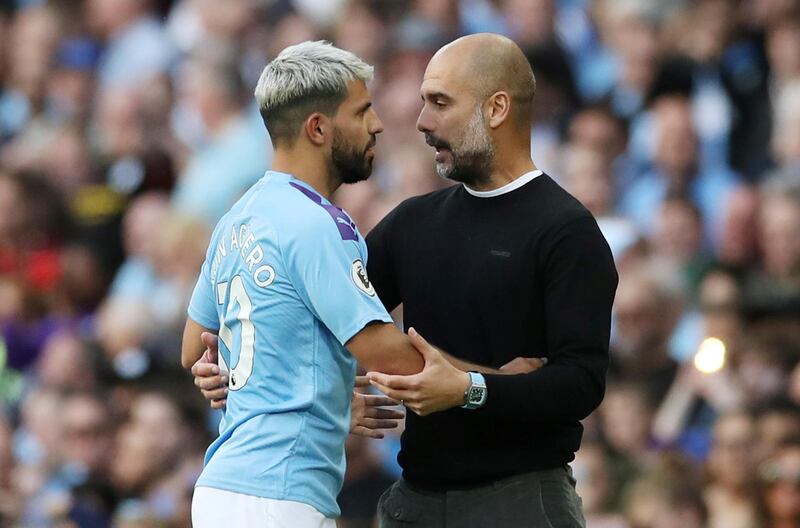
[501, 269]
[505, 265]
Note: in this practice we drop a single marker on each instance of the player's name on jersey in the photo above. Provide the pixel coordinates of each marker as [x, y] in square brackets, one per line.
[241, 242]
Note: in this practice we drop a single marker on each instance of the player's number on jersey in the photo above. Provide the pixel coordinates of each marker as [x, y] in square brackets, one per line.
[240, 373]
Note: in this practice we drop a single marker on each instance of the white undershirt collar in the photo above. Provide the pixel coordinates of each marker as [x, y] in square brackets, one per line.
[507, 188]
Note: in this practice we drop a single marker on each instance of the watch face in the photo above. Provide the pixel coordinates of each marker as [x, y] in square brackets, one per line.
[475, 394]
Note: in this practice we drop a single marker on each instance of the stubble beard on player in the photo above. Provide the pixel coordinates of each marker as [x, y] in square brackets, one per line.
[350, 164]
[472, 161]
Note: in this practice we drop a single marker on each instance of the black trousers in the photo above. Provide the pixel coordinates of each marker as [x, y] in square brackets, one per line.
[541, 499]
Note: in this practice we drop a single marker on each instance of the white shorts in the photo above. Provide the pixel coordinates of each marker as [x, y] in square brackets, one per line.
[216, 508]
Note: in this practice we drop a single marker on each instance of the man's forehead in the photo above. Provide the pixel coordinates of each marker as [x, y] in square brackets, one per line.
[443, 66]
[431, 85]
[445, 73]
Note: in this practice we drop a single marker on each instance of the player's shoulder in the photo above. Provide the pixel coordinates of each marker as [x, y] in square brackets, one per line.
[290, 206]
[313, 216]
[268, 206]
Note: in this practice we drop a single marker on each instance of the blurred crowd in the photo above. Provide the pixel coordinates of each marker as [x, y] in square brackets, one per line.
[128, 127]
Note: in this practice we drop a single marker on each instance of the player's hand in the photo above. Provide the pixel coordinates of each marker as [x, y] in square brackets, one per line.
[213, 386]
[523, 365]
[439, 386]
[368, 416]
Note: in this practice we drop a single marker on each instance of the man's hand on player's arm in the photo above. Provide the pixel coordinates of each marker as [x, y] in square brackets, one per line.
[443, 381]
[368, 417]
[383, 347]
[439, 386]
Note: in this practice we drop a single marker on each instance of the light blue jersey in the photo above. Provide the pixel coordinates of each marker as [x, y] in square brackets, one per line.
[284, 282]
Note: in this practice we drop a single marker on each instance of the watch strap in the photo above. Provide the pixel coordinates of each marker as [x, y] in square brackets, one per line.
[475, 395]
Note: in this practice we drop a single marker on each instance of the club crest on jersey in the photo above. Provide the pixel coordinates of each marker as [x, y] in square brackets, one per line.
[360, 279]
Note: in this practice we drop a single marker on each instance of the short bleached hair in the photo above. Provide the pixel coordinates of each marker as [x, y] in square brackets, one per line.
[305, 78]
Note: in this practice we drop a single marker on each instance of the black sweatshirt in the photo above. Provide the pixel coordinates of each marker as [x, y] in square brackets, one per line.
[526, 273]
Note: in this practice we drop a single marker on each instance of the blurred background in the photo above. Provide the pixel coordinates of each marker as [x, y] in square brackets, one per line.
[128, 127]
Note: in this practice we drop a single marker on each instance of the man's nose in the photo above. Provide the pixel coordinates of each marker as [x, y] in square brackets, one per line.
[424, 121]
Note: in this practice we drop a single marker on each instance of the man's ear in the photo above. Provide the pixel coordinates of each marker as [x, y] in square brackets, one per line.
[317, 127]
[498, 109]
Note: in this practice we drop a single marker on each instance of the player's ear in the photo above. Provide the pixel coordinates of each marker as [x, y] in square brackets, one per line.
[317, 126]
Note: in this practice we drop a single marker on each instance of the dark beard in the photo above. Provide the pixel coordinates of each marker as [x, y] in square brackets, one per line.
[349, 164]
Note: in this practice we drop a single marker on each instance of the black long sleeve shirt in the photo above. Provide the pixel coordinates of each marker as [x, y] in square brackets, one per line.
[526, 273]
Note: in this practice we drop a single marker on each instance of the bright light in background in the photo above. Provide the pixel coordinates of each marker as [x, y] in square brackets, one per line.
[710, 355]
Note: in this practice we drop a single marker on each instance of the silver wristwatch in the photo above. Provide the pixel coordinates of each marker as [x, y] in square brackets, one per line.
[475, 395]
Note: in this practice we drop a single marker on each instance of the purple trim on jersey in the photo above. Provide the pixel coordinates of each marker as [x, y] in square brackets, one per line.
[347, 228]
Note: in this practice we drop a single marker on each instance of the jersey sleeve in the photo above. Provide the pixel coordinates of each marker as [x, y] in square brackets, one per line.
[329, 272]
[202, 306]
